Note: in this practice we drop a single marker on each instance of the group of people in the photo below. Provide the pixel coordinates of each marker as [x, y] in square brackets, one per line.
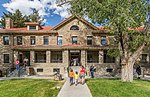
[25, 63]
[77, 77]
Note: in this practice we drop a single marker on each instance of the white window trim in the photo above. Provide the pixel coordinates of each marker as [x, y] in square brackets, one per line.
[22, 40]
[3, 40]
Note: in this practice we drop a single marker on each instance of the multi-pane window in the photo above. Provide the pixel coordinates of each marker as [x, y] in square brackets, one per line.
[32, 27]
[74, 40]
[59, 40]
[32, 40]
[46, 40]
[103, 40]
[144, 57]
[19, 40]
[40, 57]
[6, 58]
[92, 56]
[74, 27]
[107, 58]
[89, 40]
[6, 40]
[56, 57]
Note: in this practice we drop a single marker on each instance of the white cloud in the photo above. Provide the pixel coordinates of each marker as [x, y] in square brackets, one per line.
[44, 7]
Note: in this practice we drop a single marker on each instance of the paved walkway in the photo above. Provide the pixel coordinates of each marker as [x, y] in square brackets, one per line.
[74, 91]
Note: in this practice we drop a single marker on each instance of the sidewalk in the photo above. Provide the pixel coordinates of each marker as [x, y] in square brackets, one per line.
[74, 91]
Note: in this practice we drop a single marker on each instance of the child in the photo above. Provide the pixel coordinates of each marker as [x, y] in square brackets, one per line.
[71, 75]
[76, 78]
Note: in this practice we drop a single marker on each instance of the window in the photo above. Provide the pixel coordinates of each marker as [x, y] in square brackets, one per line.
[144, 58]
[40, 57]
[59, 40]
[107, 58]
[32, 40]
[6, 40]
[6, 58]
[103, 40]
[56, 70]
[46, 40]
[56, 57]
[92, 56]
[40, 70]
[74, 27]
[32, 27]
[89, 40]
[74, 39]
[19, 40]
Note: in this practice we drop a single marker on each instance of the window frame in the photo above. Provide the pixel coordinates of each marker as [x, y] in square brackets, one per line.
[37, 56]
[4, 39]
[31, 27]
[103, 38]
[45, 38]
[74, 28]
[21, 40]
[33, 39]
[59, 43]
[58, 58]
[4, 58]
[76, 42]
[89, 41]
[107, 58]
[90, 56]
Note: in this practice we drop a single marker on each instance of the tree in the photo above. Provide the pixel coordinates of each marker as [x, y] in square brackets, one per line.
[123, 17]
[19, 19]
[35, 17]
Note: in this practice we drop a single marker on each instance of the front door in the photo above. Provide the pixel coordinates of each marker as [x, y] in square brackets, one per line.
[74, 58]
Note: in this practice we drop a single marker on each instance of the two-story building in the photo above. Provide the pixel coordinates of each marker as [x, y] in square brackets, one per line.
[73, 42]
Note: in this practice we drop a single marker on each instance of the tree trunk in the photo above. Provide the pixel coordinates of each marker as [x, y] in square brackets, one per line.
[127, 63]
[127, 72]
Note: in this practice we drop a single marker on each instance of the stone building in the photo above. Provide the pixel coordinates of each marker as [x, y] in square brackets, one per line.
[71, 43]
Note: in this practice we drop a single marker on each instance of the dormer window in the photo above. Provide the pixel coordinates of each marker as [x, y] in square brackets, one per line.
[32, 27]
[74, 27]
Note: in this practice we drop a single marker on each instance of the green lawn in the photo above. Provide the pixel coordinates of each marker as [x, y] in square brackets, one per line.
[29, 88]
[116, 88]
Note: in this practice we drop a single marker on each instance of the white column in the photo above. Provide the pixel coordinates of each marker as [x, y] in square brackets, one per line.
[83, 57]
[101, 59]
[32, 58]
[48, 56]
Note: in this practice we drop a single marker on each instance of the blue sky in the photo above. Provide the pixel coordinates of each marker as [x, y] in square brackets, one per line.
[48, 9]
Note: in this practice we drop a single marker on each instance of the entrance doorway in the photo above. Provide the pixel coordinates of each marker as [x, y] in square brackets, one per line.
[74, 58]
[23, 55]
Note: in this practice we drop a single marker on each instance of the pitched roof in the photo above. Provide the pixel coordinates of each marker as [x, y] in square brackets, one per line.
[71, 18]
[44, 28]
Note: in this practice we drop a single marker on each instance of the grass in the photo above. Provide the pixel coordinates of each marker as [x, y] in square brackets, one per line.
[116, 88]
[29, 88]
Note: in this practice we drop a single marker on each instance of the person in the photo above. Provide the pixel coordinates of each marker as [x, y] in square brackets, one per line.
[82, 75]
[76, 78]
[92, 70]
[17, 64]
[25, 61]
[138, 70]
[71, 75]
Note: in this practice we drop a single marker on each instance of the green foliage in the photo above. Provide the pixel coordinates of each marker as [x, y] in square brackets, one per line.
[35, 17]
[116, 88]
[19, 19]
[119, 16]
[28, 88]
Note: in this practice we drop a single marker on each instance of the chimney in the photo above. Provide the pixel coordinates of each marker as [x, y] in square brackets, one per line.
[8, 23]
